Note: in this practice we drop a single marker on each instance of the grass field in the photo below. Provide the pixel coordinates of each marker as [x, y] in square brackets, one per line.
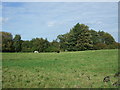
[81, 69]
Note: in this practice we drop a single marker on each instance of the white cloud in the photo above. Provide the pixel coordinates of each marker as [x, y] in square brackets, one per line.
[3, 20]
[51, 23]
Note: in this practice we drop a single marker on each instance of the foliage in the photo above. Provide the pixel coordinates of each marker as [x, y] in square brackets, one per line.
[26, 46]
[99, 46]
[106, 38]
[95, 37]
[79, 38]
[39, 44]
[7, 43]
[53, 46]
[17, 43]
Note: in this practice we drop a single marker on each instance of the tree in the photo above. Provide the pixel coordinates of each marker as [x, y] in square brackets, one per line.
[6, 42]
[78, 38]
[108, 39]
[63, 41]
[84, 41]
[101, 38]
[100, 46]
[54, 46]
[46, 44]
[95, 37]
[17, 43]
[39, 44]
[26, 46]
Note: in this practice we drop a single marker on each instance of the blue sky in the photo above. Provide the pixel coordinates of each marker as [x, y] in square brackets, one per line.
[50, 19]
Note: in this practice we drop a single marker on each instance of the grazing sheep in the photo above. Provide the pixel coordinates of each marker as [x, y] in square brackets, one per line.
[106, 79]
[36, 52]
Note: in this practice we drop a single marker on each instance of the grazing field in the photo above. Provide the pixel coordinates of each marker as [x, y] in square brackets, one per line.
[81, 69]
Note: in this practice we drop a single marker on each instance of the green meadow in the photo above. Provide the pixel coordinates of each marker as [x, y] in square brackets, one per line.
[80, 69]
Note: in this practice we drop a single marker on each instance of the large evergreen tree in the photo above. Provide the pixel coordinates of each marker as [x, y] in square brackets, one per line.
[84, 41]
[79, 38]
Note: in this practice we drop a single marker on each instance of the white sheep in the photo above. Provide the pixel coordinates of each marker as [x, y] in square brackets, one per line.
[36, 52]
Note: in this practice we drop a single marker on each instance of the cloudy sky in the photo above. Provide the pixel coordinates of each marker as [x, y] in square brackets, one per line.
[49, 19]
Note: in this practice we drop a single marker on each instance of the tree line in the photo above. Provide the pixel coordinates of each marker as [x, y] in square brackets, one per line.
[79, 38]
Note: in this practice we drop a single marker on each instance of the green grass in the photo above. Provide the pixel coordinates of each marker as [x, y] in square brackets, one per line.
[81, 69]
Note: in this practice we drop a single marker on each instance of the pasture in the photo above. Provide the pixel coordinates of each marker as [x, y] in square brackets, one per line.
[81, 69]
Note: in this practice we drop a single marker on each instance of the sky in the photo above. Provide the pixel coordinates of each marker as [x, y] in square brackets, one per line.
[50, 19]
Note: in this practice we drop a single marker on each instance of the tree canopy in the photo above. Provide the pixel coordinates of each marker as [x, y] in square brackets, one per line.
[79, 38]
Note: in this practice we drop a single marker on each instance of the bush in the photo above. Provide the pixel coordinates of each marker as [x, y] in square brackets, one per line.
[114, 46]
[51, 49]
[100, 46]
[26, 49]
